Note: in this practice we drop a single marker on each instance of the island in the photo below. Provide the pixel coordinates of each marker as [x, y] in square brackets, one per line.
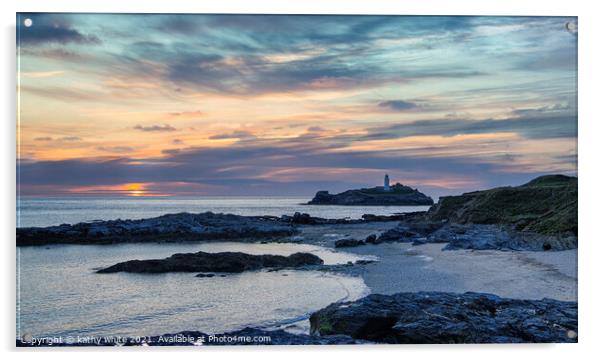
[398, 195]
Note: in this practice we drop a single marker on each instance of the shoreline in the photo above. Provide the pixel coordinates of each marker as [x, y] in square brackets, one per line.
[405, 268]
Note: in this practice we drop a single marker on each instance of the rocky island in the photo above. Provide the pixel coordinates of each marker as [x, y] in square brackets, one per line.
[228, 262]
[398, 194]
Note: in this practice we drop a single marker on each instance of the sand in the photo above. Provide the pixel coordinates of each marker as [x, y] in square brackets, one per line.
[403, 267]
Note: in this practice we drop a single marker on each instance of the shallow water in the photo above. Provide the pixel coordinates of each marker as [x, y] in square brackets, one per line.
[55, 211]
[61, 295]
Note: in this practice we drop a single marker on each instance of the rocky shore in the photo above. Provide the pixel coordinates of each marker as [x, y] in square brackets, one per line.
[184, 227]
[539, 215]
[397, 195]
[443, 318]
[224, 262]
[170, 227]
[403, 318]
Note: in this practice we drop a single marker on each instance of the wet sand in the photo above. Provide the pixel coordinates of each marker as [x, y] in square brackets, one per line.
[403, 267]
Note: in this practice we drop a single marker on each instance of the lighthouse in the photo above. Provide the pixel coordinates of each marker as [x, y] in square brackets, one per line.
[386, 186]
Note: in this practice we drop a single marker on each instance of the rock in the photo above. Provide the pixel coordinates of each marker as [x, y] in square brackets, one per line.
[371, 239]
[438, 317]
[348, 243]
[398, 233]
[500, 237]
[229, 262]
[203, 275]
[372, 217]
[171, 227]
[398, 195]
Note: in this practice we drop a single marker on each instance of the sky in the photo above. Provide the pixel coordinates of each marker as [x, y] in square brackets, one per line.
[218, 105]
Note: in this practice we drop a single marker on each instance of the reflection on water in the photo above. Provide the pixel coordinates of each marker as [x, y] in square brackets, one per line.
[61, 295]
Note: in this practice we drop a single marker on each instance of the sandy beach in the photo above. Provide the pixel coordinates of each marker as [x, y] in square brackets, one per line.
[403, 267]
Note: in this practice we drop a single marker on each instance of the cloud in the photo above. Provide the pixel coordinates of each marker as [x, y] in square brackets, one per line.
[170, 151]
[266, 168]
[541, 127]
[155, 128]
[398, 105]
[177, 141]
[70, 138]
[51, 29]
[63, 139]
[115, 149]
[239, 134]
[196, 113]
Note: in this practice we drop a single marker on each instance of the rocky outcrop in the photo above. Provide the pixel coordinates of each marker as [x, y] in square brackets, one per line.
[306, 219]
[540, 215]
[171, 227]
[348, 243]
[438, 317]
[546, 205]
[398, 195]
[228, 262]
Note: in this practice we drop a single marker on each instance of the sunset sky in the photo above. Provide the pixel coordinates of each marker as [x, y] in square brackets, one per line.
[133, 105]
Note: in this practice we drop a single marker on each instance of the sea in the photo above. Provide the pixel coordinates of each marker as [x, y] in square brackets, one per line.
[59, 294]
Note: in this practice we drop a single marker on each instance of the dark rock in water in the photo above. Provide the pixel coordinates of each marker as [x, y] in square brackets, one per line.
[203, 275]
[372, 218]
[398, 195]
[364, 262]
[371, 239]
[438, 317]
[171, 227]
[348, 243]
[231, 262]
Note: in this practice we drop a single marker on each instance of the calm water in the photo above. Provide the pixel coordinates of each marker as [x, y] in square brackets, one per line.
[61, 295]
[55, 211]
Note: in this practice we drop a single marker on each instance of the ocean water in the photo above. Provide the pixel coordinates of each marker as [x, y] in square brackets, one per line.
[59, 293]
[55, 211]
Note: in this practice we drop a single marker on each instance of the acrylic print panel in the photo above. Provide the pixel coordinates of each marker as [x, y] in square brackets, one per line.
[274, 180]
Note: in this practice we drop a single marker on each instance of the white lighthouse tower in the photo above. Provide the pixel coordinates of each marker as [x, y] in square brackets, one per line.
[386, 186]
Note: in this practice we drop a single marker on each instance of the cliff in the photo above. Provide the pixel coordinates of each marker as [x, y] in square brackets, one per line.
[539, 215]
[545, 205]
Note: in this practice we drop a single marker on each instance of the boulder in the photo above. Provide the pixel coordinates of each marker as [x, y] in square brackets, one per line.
[348, 243]
[439, 317]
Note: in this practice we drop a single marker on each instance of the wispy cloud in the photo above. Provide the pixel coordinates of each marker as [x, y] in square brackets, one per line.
[155, 128]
